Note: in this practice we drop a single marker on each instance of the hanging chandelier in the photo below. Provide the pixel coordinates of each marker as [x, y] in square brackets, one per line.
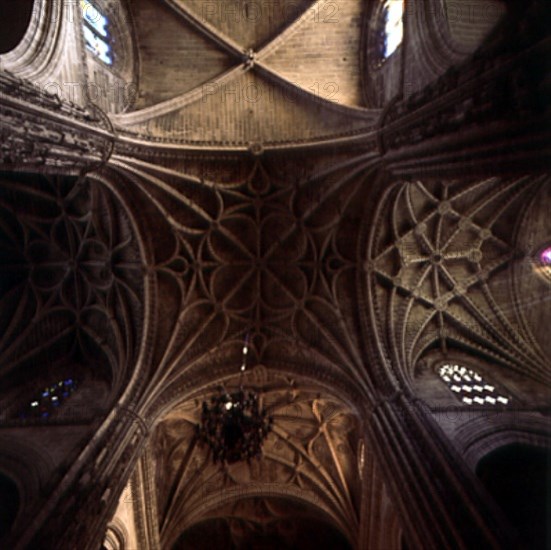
[233, 425]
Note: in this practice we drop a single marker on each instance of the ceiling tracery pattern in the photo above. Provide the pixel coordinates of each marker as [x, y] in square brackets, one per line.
[256, 254]
[310, 455]
[72, 284]
[442, 260]
[270, 246]
[532, 278]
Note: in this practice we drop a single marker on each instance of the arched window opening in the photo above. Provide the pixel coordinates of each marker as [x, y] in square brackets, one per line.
[15, 18]
[385, 34]
[393, 27]
[45, 404]
[95, 27]
[470, 387]
[545, 256]
[108, 40]
[519, 479]
[9, 504]
[543, 262]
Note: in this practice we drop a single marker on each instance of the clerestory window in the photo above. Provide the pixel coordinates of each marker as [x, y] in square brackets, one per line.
[393, 16]
[545, 256]
[49, 399]
[95, 28]
[543, 266]
[470, 387]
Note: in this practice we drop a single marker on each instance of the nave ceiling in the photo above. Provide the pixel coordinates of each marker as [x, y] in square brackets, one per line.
[213, 214]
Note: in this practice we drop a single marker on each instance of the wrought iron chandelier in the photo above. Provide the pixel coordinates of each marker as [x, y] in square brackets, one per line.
[233, 425]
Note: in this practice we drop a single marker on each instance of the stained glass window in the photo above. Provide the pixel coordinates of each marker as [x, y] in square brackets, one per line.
[545, 256]
[50, 398]
[393, 14]
[95, 27]
[469, 387]
[542, 262]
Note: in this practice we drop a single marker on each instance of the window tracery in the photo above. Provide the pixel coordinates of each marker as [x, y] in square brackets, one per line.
[95, 28]
[469, 386]
[50, 399]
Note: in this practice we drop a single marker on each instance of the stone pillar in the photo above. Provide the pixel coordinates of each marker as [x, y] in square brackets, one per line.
[439, 500]
[77, 513]
[489, 116]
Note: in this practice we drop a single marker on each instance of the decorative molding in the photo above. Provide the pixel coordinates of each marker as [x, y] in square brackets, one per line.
[485, 434]
[41, 132]
[447, 124]
[144, 500]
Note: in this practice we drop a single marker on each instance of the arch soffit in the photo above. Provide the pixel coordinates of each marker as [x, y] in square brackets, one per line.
[224, 498]
[139, 375]
[485, 434]
[28, 467]
[40, 50]
[260, 378]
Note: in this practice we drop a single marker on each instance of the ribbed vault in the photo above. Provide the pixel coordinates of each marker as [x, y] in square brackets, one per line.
[444, 259]
[71, 289]
[311, 456]
[258, 248]
[227, 67]
[269, 180]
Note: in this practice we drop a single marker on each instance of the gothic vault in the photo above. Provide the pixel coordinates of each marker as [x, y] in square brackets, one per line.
[361, 188]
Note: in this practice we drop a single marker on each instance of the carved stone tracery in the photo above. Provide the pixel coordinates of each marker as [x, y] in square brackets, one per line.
[442, 254]
[340, 273]
[309, 456]
[72, 287]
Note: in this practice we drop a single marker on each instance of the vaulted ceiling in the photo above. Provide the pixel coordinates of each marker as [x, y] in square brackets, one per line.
[245, 191]
[248, 72]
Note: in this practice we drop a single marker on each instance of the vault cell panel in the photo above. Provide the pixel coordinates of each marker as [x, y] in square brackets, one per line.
[249, 110]
[249, 23]
[174, 57]
[322, 56]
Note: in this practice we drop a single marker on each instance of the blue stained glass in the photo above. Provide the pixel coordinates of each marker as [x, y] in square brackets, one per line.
[94, 18]
[97, 45]
[50, 399]
[394, 26]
